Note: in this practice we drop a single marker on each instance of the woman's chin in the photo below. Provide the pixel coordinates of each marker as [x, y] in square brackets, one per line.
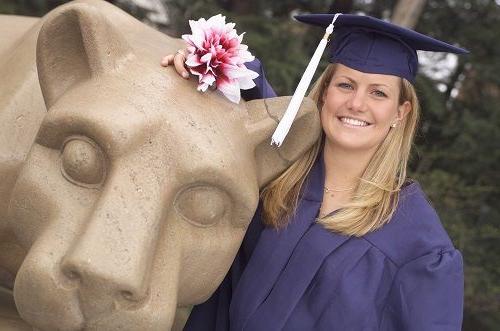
[349, 141]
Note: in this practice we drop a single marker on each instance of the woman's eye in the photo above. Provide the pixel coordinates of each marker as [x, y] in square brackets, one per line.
[345, 86]
[82, 162]
[379, 93]
[202, 205]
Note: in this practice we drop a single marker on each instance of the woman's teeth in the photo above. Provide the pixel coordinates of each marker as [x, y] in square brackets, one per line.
[353, 121]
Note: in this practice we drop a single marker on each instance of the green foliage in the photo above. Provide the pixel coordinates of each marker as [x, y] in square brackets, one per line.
[7, 8]
[25, 7]
[458, 149]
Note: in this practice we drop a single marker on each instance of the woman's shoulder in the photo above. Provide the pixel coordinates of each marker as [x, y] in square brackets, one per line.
[414, 230]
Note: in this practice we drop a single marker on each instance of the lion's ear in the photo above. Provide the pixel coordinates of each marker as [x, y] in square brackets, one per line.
[263, 117]
[76, 42]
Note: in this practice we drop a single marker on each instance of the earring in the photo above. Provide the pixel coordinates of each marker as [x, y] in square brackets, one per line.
[393, 125]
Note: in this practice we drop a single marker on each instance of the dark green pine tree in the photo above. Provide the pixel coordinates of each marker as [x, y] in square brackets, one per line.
[458, 149]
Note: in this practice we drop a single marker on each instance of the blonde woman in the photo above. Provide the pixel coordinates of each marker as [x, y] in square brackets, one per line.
[343, 240]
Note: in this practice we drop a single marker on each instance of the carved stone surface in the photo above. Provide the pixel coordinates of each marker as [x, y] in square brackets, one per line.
[124, 193]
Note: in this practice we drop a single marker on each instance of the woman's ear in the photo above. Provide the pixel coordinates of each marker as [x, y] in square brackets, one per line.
[403, 110]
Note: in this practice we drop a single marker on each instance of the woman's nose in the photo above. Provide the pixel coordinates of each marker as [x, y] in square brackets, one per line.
[357, 101]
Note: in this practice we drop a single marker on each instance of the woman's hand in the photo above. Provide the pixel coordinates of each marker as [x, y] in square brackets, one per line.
[178, 60]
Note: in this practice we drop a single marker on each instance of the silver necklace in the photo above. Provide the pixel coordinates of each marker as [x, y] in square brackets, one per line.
[331, 191]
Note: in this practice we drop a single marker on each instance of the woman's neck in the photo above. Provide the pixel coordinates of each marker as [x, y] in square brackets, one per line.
[343, 168]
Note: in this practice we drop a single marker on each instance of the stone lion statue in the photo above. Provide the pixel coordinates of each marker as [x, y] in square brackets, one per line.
[124, 192]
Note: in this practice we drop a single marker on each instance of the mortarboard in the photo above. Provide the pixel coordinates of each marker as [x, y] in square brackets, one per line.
[366, 44]
[372, 45]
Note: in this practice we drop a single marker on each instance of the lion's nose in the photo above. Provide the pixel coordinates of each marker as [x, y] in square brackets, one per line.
[113, 255]
[107, 270]
[104, 282]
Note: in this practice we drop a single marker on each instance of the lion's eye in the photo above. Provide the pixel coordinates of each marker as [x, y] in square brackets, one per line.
[202, 205]
[82, 162]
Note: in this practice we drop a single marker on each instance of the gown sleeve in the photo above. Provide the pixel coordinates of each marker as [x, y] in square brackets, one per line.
[427, 294]
[262, 87]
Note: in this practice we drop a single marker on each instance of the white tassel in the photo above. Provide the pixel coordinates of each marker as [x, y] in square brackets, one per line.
[292, 109]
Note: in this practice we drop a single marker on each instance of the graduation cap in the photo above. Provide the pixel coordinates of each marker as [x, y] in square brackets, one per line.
[365, 44]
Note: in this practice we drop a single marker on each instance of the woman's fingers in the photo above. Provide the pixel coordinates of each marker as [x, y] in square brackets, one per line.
[177, 60]
[167, 60]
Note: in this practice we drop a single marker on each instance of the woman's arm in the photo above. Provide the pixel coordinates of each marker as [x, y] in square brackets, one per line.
[427, 294]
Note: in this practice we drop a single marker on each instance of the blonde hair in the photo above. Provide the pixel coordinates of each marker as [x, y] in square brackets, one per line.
[375, 198]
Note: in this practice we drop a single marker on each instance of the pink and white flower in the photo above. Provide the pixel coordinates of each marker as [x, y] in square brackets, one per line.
[217, 56]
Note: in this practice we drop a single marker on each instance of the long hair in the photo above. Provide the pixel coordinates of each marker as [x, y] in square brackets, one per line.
[375, 198]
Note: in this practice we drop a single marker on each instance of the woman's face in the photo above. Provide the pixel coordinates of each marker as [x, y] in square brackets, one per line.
[359, 108]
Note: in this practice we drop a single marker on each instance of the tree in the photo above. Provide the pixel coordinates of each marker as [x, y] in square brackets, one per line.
[407, 12]
[458, 155]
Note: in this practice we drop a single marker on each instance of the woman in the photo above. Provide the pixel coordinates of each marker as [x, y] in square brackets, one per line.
[343, 240]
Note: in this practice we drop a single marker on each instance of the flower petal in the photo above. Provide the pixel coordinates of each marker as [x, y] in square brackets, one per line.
[217, 55]
[235, 72]
[193, 60]
[230, 89]
[198, 32]
[206, 58]
[202, 87]
[246, 84]
[196, 72]
[208, 79]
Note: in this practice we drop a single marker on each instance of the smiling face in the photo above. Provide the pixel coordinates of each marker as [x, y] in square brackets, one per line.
[359, 108]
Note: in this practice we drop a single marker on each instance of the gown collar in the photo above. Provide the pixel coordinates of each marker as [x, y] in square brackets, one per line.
[284, 262]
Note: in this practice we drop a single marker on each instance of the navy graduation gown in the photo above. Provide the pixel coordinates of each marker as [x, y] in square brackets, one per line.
[262, 88]
[405, 276]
